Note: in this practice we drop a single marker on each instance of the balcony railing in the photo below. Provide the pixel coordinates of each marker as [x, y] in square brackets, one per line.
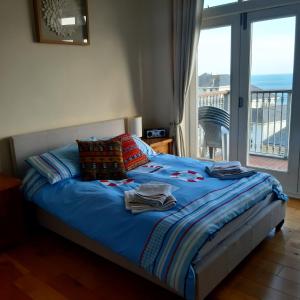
[269, 119]
[220, 99]
[269, 122]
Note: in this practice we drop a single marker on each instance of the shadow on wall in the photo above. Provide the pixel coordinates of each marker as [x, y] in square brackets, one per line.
[156, 63]
[32, 22]
[148, 55]
[130, 40]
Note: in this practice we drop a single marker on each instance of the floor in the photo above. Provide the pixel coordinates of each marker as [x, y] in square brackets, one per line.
[268, 162]
[271, 163]
[48, 267]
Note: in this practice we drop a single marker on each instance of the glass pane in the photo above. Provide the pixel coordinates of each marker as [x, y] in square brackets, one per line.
[213, 92]
[211, 3]
[270, 93]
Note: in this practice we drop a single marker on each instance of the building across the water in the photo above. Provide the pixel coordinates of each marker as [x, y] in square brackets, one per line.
[214, 83]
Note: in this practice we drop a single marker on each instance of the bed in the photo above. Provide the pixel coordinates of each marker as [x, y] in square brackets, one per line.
[220, 254]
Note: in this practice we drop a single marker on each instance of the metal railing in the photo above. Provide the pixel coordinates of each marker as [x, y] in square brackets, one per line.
[269, 119]
[219, 99]
[269, 122]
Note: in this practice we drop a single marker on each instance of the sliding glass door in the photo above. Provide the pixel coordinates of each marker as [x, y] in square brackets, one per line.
[248, 84]
[269, 93]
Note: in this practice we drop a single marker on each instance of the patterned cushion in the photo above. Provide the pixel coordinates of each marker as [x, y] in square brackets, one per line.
[101, 160]
[133, 157]
[58, 164]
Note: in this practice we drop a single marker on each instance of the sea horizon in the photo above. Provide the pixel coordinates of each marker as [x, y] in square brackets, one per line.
[273, 81]
[283, 81]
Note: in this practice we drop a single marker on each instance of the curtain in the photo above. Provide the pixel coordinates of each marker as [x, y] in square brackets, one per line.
[187, 16]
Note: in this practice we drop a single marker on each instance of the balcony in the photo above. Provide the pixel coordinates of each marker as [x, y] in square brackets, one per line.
[269, 119]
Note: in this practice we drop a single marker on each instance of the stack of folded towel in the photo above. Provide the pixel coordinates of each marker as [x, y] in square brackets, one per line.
[150, 197]
[229, 170]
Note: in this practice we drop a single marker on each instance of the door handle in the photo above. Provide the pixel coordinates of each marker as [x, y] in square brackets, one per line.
[241, 102]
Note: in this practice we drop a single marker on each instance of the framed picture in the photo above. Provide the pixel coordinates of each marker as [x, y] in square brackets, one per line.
[62, 21]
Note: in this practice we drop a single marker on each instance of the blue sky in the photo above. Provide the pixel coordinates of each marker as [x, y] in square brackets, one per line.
[272, 47]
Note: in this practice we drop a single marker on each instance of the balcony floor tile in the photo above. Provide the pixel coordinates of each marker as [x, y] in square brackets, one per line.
[268, 162]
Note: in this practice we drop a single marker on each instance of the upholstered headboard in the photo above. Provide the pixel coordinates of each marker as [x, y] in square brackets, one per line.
[25, 145]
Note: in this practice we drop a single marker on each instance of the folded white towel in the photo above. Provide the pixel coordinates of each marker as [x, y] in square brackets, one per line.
[153, 189]
[224, 167]
[226, 164]
[229, 170]
[136, 207]
[149, 197]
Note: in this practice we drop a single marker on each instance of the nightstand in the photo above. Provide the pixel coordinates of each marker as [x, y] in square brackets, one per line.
[161, 145]
[11, 211]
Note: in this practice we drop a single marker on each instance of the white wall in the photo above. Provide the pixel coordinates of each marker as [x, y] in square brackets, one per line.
[46, 86]
[124, 72]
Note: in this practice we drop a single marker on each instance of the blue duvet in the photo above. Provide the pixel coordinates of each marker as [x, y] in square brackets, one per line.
[163, 243]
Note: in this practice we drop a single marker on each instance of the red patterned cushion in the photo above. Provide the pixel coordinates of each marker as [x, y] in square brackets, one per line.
[101, 160]
[133, 157]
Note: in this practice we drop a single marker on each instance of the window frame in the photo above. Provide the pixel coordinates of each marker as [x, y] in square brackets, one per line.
[241, 6]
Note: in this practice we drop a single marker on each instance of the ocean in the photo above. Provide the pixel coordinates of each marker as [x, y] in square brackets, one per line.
[273, 81]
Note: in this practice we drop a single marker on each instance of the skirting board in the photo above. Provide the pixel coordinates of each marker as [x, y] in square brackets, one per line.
[211, 270]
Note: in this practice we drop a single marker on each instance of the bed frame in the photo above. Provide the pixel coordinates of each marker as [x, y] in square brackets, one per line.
[210, 271]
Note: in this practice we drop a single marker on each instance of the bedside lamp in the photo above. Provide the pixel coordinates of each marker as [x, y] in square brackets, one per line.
[135, 126]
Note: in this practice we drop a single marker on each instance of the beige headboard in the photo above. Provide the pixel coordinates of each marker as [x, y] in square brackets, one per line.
[25, 145]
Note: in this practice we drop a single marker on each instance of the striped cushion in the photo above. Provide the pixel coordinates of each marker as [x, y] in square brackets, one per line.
[133, 157]
[58, 164]
[101, 160]
[32, 182]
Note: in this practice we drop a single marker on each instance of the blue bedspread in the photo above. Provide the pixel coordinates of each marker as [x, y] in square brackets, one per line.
[163, 243]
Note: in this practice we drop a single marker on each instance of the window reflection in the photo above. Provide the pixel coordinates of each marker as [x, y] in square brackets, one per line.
[212, 3]
[68, 21]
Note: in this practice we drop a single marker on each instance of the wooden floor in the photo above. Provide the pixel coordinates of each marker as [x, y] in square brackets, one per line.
[47, 267]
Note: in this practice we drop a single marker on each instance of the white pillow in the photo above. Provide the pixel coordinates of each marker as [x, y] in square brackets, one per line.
[144, 147]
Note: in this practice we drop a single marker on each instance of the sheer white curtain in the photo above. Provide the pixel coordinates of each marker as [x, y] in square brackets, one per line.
[186, 30]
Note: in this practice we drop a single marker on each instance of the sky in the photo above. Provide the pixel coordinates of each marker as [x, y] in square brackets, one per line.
[272, 47]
